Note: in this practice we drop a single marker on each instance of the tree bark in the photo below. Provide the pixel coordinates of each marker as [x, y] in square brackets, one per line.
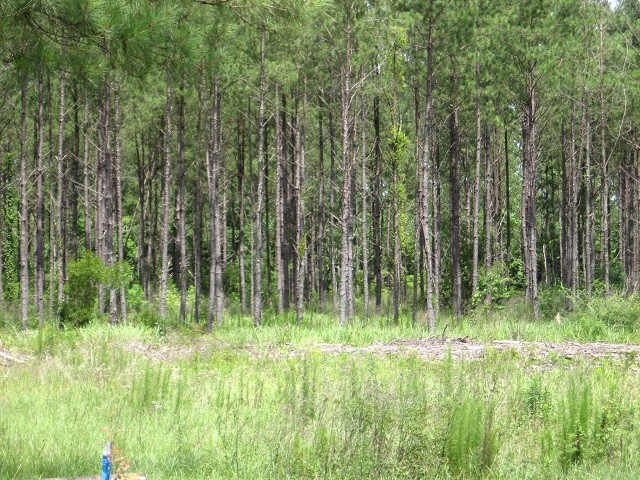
[257, 254]
[363, 213]
[164, 202]
[58, 245]
[454, 173]
[604, 165]
[376, 210]
[476, 189]
[320, 239]
[301, 253]
[241, 215]
[425, 181]
[280, 160]
[197, 215]
[24, 209]
[119, 196]
[589, 242]
[528, 212]
[180, 210]
[86, 175]
[215, 240]
[346, 250]
[39, 207]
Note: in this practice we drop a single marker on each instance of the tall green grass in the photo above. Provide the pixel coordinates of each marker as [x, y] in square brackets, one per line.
[227, 414]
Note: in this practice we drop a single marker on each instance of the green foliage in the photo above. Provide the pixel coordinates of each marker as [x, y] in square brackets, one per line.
[84, 276]
[537, 398]
[615, 311]
[81, 290]
[470, 445]
[494, 286]
[553, 300]
[578, 429]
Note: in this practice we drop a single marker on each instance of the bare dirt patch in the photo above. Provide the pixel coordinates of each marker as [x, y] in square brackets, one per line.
[8, 358]
[432, 349]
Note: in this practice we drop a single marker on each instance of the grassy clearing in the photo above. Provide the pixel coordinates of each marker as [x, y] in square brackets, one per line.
[226, 414]
[223, 412]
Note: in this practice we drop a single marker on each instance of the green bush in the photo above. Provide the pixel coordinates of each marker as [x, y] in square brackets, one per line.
[615, 311]
[81, 290]
[494, 284]
[470, 445]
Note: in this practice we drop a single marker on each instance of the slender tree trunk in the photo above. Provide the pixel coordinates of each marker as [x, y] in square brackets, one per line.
[376, 210]
[589, 248]
[119, 196]
[142, 227]
[332, 212]
[167, 137]
[454, 173]
[75, 173]
[86, 176]
[241, 213]
[298, 186]
[197, 214]
[215, 240]
[322, 282]
[488, 203]
[507, 189]
[39, 207]
[424, 181]
[180, 210]
[346, 265]
[365, 244]
[280, 160]
[58, 252]
[476, 190]
[24, 209]
[257, 254]
[417, 235]
[108, 209]
[530, 165]
[604, 165]
[574, 171]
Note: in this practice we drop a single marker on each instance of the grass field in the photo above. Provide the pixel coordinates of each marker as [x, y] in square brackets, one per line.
[236, 404]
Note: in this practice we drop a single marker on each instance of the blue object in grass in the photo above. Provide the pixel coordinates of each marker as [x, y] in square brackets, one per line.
[105, 472]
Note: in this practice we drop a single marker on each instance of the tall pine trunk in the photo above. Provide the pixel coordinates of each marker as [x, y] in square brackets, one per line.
[454, 173]
[363, 213]
[424, 198]
[476, 189]
[528, 212]
[301, 253]
[346, 250]
[258, 241]
[216, 298]
[24, 209]
[181, 239]
[279, 237]
[164, 202]
[39, 206]
[119, 196]
[58, 246]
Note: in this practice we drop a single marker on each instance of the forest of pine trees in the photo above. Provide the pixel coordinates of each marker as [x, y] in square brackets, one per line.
[356, 157]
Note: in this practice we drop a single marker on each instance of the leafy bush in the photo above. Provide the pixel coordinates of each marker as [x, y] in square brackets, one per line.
[81, 290]
[615, 311]
[552, 300]
[495, 285]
